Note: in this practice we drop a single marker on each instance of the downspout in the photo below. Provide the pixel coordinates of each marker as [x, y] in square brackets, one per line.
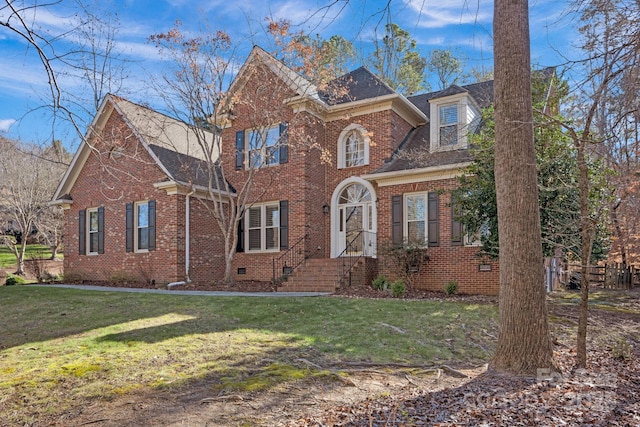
[187, 231]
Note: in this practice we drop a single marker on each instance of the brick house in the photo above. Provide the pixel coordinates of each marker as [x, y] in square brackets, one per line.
[329, 182]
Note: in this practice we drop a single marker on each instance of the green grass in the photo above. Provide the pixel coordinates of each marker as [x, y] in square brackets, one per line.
[8, 259]
[65, 347]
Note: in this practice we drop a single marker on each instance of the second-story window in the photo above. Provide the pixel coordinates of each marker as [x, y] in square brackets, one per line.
[260, 147]
[448, 121]
[353, 147]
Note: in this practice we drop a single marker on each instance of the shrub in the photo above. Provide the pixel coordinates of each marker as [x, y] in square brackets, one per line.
[13, 280]
[37, 265]
[398, 289]
[622, 350]
[380, 283]
[451, 288]
[405, 260]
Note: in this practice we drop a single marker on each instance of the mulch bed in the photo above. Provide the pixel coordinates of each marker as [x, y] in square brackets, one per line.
[350, 291]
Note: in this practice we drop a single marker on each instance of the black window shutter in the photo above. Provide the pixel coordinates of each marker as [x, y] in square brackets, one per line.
[82, 240]
[240, 244]
[284, 224]
[284, 143]
[456, 226]
[239, 150]
[101, 230]
[432, 220]
[396, 220]
[152, 225]
[129, 227]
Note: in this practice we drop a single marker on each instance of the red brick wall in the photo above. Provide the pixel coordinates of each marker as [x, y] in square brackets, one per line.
[206, 244]
[112, 183]
[446, 262]
[300, 181]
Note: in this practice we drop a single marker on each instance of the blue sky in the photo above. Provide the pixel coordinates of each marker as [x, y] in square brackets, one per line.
[464, 26]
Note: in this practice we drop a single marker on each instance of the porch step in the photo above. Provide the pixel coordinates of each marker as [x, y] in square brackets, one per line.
[315, 275]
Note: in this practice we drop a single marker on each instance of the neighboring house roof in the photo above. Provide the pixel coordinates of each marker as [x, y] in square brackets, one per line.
[170, 142]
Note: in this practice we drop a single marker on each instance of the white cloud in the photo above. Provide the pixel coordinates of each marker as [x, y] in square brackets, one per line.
[5, 124]
[438, 14]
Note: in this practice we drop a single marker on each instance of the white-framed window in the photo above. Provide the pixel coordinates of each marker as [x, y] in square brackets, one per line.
[415, 224]
[92, 231]
[448, 125]
[452, 119]
[263, 146]
[353, 147]
[141, 226]
[262, 225]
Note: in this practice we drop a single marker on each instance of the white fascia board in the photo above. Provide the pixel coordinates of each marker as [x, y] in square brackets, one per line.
[433, 173]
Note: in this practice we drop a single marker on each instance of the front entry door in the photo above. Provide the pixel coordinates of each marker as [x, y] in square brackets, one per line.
[355, 222]
[352, 221]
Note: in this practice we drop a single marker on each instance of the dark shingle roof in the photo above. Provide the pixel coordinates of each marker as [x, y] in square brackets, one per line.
[184, 168]
[481, 92]
[354, 86]
[418, 139]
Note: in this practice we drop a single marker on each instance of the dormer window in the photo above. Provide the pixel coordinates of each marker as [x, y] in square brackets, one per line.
[448, 121]
[353, 147]
[452, 119]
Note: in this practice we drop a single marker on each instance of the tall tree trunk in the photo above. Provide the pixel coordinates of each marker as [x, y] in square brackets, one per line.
[524, 341]
[620, 237]
[586, 235]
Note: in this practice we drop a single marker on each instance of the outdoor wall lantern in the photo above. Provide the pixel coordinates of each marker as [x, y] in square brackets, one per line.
[325, 208]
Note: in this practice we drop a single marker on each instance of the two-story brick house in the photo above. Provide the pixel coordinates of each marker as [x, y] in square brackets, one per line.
[330, 177]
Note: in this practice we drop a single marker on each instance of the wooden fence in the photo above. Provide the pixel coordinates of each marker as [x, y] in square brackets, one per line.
[609, 276]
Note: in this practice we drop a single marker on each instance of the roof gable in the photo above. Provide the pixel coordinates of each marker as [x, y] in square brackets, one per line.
[151, 128]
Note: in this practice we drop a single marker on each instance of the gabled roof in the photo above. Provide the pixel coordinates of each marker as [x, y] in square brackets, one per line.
[481, 93]
[185, 169]
[170, 142]
[294, 81]
[160, 129]
[418, 140]
[356, 85]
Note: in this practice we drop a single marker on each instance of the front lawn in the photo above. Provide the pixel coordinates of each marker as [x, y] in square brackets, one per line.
[8, 259]
[64, 348]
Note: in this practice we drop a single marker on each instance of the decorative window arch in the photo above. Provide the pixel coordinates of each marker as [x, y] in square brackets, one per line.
[353, 147]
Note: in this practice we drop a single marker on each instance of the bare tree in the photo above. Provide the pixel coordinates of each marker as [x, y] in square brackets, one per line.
[195, 92]
[524, 341]
[28, 181]
[605, 122]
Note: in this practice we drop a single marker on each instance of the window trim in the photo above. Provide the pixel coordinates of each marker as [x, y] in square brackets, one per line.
[468, 115]
[136, 227]
[280, 154]
[405, 216]
[342, 149]
[441, 126]
[88, 231]
[263, 228]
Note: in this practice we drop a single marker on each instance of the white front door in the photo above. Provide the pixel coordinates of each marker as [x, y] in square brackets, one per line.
[355, 222]
[352, 225]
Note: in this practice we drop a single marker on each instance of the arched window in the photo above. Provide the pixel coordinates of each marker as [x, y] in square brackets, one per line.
[354, 193]
[353, 147]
